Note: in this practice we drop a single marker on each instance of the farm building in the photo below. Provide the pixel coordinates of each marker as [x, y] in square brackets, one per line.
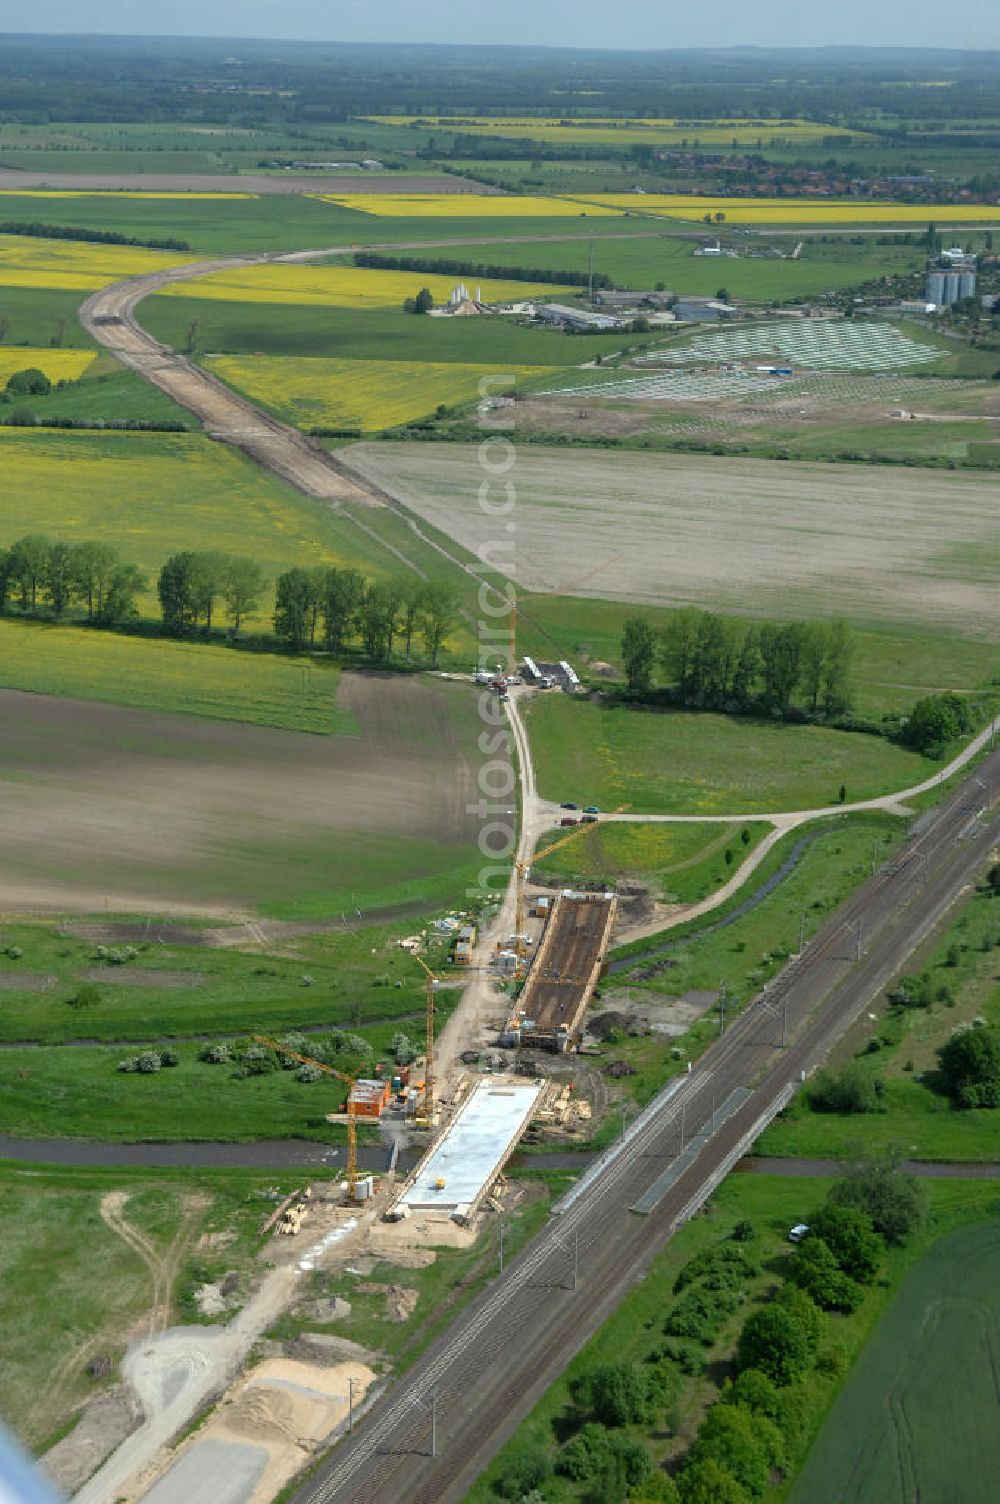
[575, 318]
[703, 310]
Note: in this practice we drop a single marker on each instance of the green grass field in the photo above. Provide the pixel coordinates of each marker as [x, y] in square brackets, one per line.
[267, 689]
[642, 262]
[916, 1417]
[679, 863]
[95, 1288]
[178, 991]
[364, 334]
[193, 494]
[892, 666]
[676, 762]
[104, 393]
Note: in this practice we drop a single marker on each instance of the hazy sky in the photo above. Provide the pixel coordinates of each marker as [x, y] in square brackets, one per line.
[629, 23]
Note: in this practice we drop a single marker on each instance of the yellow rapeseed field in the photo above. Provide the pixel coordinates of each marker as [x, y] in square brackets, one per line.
[119, 193]
[75, 266]
[58, 365]
[797, 211]
[337, 286]
[459, 205]
[365, 394]
[627, 132]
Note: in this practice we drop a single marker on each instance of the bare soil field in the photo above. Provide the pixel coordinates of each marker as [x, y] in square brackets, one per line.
[109, 807]
[755, 536]
[375, 182]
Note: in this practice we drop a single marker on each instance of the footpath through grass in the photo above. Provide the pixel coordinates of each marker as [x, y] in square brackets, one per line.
[680, 762]
[94, 1288]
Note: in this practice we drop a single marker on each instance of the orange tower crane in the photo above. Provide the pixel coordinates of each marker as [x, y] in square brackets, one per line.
[352, 1131]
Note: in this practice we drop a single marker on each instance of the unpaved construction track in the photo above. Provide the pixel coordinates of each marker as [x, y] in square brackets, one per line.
[109, 316]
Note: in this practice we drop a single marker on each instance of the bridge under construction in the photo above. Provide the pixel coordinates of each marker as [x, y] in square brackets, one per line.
[567, 966]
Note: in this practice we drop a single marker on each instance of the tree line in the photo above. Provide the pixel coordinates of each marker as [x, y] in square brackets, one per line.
[711, 662]
[500, 273]
[336, 606]
[319, 607]
[38, 571]
[93, 237]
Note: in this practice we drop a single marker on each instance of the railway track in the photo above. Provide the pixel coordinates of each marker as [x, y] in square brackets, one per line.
[428, 1438]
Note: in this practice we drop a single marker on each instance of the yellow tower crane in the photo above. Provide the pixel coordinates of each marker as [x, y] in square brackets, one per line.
[523, 867]
[352, 1131]
[432, 986]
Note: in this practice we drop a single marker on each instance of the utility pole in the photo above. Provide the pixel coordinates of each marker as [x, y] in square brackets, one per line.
[576, 1259]
[857, 955]
[350, 1404]
[623, 1118]
[784, 1019]
[590, 275]
[683, 1109]
[722, 1010]
[802, 931]
[874, 859]
[501, 1245]
[434, 1421]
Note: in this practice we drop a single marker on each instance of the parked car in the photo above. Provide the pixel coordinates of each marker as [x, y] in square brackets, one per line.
[797, 1233]
[569, 805]
[588, 820]
[569, 820]
[591, 809]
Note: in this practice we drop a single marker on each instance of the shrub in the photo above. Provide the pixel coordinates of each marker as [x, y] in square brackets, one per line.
[777, 1341]
[894, 1202]
[852, 1240]
[815, 1270]
[706, 1481]
[853, 1089]
[308, 1073]
[13, 953]
[619, 1394]
[148, 1062]
[969, 1067]
[215, 1054]
[129, 1064]
[31, 382]
[746, 1445]
[169, 1057]
[523, 1472]
[87, 996]
[257, 1061]
[755, 1390]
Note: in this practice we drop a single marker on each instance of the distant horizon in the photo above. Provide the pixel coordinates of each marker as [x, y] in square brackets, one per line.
[635, 25]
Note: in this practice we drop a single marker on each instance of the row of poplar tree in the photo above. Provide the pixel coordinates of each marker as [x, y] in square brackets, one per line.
[714, 662]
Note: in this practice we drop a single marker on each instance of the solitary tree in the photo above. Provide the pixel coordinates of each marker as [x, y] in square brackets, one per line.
[639, 653]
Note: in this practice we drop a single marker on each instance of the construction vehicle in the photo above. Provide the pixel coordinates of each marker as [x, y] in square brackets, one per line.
[352, 1081]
